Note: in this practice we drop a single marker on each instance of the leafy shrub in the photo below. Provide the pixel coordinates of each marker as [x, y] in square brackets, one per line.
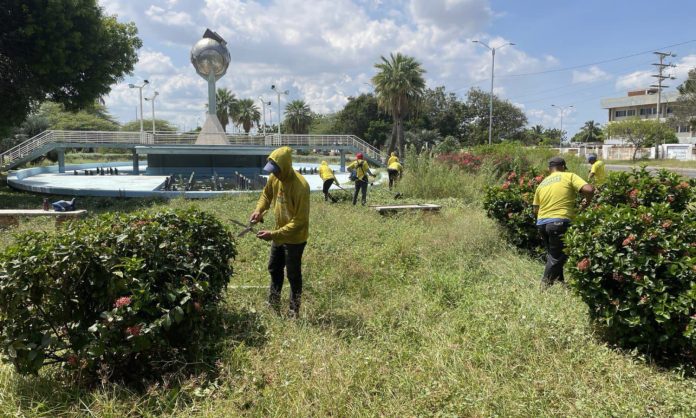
[464, 160]
[121, 295]
[511, 205]
[633, 259]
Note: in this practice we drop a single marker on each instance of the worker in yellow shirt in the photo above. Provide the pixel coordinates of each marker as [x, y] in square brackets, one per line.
[327, 175]
[288, 191]
[394, 170]
[361, 170]
[392, 158]
[597, 174]
[554, 207]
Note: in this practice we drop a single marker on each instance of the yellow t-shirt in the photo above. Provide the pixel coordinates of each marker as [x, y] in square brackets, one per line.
[556, 195]
[598, 170]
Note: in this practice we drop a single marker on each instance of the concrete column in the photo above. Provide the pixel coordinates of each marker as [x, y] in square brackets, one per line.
[136, 163]
[61, 160]
[343, 161]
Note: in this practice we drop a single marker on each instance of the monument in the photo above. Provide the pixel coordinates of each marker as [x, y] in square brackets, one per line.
[211, 58]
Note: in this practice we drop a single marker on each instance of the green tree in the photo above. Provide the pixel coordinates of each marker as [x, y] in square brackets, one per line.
[65, 51]
[590, 132]
[378, 132]
[640, 133]
[399, 85]
[358, 114]
[448, 146]
[298, 117]
[423, 138]
[684, 110]
[247, 114]
[508, 119]
[440, 111]
[226, 106]
[323, 124]
[161, 125]
[93, 118]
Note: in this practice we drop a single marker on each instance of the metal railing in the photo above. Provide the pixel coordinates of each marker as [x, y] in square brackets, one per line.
[97, 138]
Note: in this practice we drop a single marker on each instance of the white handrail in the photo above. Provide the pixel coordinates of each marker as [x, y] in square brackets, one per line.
[95, 138]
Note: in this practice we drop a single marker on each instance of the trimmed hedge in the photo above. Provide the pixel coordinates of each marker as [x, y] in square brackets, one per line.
[116, 295]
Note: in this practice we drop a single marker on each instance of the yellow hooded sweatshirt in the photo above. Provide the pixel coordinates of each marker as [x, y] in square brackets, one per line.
[325, 172]
[396, 165]
[392, 158]
[289, 192]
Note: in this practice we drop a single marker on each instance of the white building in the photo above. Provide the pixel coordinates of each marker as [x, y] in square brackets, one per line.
[643, 104]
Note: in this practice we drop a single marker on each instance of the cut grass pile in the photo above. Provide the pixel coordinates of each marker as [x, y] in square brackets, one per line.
[410, 315]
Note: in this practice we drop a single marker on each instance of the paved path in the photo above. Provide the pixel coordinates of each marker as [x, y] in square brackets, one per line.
[686, 172]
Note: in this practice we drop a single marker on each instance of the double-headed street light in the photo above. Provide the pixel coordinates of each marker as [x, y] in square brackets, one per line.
[490, 104]
[562, 109]
[279, 93]
[152, 100]
[264, 103]
[140, 90]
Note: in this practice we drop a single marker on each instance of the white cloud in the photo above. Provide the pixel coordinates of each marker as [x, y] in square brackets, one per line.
[592, 75]
[153, 62]
[468, 16]
[168, 17]
[634, 80]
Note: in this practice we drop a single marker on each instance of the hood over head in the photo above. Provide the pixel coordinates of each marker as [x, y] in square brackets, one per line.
[283, 157]
[324, 163]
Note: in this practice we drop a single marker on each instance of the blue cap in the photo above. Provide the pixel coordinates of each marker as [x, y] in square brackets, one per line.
[271, 167]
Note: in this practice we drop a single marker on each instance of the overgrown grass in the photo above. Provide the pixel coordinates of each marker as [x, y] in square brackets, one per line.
[410, 315]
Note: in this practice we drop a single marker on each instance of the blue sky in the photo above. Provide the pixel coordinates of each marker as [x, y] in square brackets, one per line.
[323, 51]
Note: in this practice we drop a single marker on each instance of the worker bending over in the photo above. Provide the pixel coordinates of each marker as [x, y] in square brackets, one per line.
[327, 175]
[362, 170]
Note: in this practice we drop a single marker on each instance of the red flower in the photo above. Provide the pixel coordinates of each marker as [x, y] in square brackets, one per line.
[617, 276]
[134, 330]
[539, 179]
[512, 175]
[670, 198]
[646, 217]
[122, 301]
[633, 194]
[637, 277]
[506, 185]
[72, 360]
[666, 224]
[629, 240]
[583, 264]
[643, 300]
[683, 185]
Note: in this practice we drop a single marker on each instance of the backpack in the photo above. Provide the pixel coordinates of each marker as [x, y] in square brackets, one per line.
[353, 176]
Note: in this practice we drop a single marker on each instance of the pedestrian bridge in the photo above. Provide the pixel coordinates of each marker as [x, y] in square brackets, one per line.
[172, 142]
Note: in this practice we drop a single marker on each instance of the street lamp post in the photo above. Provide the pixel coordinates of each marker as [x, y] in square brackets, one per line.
[490, 104]
[152, 100]
[279, 93]
[263, 106]
[562, 109]
[140, 91]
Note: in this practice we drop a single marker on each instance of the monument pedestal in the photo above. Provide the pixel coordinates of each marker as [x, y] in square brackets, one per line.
[212, 132]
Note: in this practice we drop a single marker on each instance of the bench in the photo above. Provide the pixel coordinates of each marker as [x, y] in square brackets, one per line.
[10, 217]
[426, 207]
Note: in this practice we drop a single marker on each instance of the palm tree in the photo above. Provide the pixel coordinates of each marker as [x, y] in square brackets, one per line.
[298, 117]
[247, 113]
[399, 85]
[591, 132]
[226, 104]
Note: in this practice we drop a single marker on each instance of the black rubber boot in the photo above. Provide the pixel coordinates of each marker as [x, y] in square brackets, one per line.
[295, 302]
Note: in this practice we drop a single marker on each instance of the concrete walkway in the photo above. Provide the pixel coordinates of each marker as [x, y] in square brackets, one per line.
[686, 172]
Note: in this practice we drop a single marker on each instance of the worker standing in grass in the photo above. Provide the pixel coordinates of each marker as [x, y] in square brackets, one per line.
[288, 191]
[554, 206]
[597, 174]
[394, 169]
[362, 170]
[327, 175]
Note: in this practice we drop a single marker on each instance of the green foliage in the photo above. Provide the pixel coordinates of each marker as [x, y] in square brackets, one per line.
[633, 258]
[590, 132]
[511, 205]
[422, 139]
[379, 132]
[440, 111]
[298, 117]
[246, 114]
[641, 133]
[449, 145]
[399, 85]
[362, 117]
[118, 295]
[225, 106]
[509, 120]
[161, 125]
[324, 124]
[92, 118]
[684, 108]
[68, 52]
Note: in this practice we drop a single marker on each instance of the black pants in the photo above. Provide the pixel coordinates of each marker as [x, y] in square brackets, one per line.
[285, 257]
[360, 185]
[393, 176]
[552, 237]
[325, 189]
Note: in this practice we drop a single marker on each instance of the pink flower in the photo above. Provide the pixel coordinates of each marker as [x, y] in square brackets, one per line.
[506, 185]
[134, 330]
[583, 264]
[72, 360]
[122, 301]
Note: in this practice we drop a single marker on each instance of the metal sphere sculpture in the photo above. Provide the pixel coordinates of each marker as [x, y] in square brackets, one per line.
[210, 58]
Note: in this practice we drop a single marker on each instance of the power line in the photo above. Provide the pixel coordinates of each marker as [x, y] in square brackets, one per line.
[597, 62]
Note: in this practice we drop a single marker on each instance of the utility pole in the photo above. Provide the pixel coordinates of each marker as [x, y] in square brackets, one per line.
[279, 93]
[263, 106]
[490, 102]
[660, 77]
[562, 109]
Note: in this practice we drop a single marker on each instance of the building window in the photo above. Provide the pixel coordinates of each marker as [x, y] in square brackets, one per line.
[631, 112]
[619, 113]
[646, 111]
[669, 110]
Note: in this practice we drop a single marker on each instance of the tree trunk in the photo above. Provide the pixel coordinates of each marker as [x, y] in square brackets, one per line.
[635, 151]
[392, 140]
